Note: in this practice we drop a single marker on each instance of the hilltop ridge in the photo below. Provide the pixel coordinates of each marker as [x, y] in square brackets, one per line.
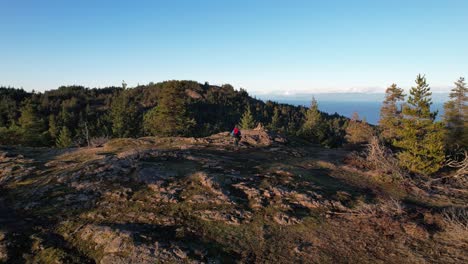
[201, 200]
[69, 115]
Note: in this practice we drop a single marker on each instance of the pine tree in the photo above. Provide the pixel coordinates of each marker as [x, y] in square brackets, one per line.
[103, 126]
[170, 116]
[124, 117]
[247, 120]
[32, 126]
[456, 115]
[275, 120]
[357, 131]
[64, 117]
[11, 136]
[64, 139]
[82, 131]
[420, 138]
[313, 120]
[390, 115]
[53, 130]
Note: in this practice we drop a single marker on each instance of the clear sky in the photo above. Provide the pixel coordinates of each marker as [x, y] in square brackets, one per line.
[263, 46]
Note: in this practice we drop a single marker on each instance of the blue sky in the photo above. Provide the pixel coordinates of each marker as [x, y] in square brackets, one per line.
[264, 46]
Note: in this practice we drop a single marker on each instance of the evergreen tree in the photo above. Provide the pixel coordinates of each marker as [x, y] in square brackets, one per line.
[170, 116]
[247, 120]
[32, 126]
[312, 124]
[64, 139]
[53, 129]
[124, 117]
[456, 115]
[332, 132]
[11, 136]
[357, 131]
[103, 126]
[420, 138]
[64, 118]
[82, 132]
[390, 115]
[275, 120]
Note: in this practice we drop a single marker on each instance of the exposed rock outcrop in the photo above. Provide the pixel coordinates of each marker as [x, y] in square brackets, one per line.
[202, 200]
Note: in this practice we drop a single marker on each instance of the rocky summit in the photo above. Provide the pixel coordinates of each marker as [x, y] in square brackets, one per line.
[203, 200]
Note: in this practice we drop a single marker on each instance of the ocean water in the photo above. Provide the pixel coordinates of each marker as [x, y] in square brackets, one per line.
[368, 109]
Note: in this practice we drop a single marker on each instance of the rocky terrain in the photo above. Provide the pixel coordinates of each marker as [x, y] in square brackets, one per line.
[188, 200]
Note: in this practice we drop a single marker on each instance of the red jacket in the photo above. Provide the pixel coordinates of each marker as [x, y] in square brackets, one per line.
[236, 132]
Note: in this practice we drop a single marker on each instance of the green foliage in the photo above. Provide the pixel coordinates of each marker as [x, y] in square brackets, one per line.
[202, 109]
[64, 118]
[420, 139]
[327, 130]
[247, 120]
[82, 131]
[32, 126]
[53, 129]
[390, 115]
[169, 117]
[275, 123]
[10, 136]
[124, 117]
[10, 100]
[64, 139]
[456, 115]
[313, 123]
[358, 131]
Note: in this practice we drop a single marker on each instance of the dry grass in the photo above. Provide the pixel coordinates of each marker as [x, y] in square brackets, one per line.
[456, 217]
[379, 159]
[459, 177]
[389, 207]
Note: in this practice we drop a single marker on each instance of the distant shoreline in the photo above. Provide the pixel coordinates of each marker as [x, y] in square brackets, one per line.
[366, 109]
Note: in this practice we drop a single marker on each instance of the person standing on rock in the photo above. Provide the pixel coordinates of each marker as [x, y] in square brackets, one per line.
[236, 134]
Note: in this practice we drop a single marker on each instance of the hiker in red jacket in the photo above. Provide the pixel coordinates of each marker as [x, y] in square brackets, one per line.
[236, 133]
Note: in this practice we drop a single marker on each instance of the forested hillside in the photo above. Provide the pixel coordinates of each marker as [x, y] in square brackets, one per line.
[74, 115]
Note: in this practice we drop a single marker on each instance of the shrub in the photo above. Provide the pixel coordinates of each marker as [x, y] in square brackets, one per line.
[382, 159]
[377, 158]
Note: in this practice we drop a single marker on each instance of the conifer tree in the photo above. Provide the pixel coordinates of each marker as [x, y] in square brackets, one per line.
[64, 139]
[82, 131]
[313, 119]
[275, 120]
[358, 131]
[32, 126]
[103, 126]
[170, 116]
[247, 120]
[456, 115]
[420, 138]
[124, 117]
[53, 129]
[390, 115]
[11, 135]
[64, 117]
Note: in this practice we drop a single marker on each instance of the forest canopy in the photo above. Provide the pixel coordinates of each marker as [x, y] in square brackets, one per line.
[70, 115]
